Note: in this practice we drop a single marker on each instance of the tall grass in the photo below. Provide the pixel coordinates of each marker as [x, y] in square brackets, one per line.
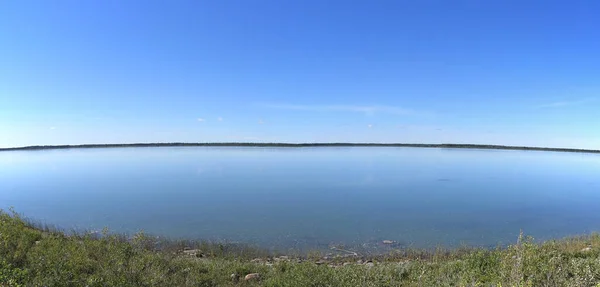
[34, 255]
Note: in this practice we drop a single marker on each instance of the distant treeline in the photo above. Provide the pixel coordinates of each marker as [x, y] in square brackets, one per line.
[291, 145]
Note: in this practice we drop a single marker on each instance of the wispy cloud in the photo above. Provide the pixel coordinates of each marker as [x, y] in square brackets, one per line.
[201, 119]
[365, 109]
[560, 104]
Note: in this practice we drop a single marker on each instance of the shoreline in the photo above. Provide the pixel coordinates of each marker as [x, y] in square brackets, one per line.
[38, 256]
[301, 145]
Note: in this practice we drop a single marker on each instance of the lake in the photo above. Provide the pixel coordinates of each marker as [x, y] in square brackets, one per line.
[309, 198]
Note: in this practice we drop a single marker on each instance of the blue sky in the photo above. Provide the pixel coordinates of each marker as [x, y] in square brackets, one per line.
[498, 72]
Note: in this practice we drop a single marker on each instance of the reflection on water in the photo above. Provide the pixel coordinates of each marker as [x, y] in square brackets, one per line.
[310, 197]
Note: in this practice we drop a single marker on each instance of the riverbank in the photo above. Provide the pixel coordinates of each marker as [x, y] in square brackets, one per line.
[31, 255]
[299, 145]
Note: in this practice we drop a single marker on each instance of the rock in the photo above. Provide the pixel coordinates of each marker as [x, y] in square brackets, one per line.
[320, 262]
[359, 262]
[37, 242]
[256, 260]
[252, 276]
[281, 258]
[389, 242]
[369, 263]
[193, 252]
[346, 264]
[587, 249]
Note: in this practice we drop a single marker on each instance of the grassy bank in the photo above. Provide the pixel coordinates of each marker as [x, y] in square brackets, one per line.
[32, 256]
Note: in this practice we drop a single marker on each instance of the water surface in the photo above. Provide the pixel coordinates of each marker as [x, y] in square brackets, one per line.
[303, 198]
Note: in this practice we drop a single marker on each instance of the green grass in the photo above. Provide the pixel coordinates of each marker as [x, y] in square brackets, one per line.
[34, 256]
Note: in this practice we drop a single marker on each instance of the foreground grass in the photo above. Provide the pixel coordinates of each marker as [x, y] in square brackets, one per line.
[31, 256]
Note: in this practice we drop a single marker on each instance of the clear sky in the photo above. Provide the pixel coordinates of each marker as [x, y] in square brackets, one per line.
[432, 71]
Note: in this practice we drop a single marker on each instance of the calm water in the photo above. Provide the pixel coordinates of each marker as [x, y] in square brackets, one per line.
[309, 197]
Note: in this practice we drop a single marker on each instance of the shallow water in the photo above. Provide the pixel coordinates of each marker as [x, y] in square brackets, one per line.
[309, 198]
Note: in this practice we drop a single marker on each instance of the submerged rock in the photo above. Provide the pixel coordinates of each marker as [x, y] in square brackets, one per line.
[389, 242]
[252, 276]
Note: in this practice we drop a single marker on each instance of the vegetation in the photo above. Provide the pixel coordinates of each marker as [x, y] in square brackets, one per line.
[453, 146]
[31, 255]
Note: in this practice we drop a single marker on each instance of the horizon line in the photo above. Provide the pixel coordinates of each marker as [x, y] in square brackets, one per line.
[290, 145]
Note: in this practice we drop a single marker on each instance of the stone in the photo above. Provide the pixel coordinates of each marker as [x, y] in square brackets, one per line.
[359, 262]
[587, 249]
[389, 242]
[256, 260]
[320, 262]
[347, 263]
[193, 252]
[281, 258]
[369, 263]
[252, 276]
